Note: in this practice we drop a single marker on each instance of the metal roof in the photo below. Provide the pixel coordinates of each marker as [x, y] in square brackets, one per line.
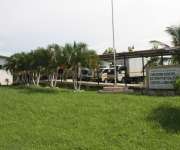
[142, 53]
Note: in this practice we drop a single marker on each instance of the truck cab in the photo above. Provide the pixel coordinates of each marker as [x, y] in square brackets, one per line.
[107, 75]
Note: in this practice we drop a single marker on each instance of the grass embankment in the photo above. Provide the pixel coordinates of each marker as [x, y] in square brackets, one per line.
[45, 119]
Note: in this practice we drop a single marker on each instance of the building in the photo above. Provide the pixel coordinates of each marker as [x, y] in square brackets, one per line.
[6, 77]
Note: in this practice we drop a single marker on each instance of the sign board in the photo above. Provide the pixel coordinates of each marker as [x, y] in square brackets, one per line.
[163, 77]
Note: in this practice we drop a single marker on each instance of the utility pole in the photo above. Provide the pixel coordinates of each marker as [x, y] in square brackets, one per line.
[114, 50]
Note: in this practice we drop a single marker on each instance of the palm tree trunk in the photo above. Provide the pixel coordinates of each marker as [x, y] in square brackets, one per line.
[75, 78]
[79, 76]
[38, 76]
[33, 78]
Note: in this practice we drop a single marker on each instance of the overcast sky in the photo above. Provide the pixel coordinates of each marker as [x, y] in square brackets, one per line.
[27, 24]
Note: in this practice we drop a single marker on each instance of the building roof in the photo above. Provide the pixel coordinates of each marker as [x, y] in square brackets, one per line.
[5, 57]
[142, 53]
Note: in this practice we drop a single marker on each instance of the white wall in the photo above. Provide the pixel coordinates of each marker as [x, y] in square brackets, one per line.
[2, 61]
[5, 75]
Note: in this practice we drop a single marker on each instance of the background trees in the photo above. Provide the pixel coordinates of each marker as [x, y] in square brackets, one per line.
[174, 32]
[108, 50]
[28, 68]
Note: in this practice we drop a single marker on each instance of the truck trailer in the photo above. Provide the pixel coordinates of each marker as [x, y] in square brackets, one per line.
[129, 71]
[134, 71]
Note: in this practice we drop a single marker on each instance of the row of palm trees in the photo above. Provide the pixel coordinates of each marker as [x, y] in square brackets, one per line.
[29, 68]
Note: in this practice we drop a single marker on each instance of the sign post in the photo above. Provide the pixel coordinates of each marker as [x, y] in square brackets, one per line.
[162, 77]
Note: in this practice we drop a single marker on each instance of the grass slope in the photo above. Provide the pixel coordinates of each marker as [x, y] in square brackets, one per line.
[45, 119]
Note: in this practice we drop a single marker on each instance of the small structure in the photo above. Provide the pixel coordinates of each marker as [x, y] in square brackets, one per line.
[6, 77]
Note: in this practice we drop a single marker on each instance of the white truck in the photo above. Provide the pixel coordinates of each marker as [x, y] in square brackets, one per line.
[107, 75]
[132, 73]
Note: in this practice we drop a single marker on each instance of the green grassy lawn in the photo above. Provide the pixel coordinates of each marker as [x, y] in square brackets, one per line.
[44, 119]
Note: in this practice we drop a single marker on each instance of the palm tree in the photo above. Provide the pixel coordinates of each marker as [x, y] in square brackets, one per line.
[78, 60]
[78, 55]
[54, 61]
[174, 32]
[109, 50]
[156, 44]
[28, 67]
[18, 64]
[38, 63]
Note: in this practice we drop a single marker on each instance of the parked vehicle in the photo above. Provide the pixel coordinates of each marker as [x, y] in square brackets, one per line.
[86, 74]
[107, 75]
[131, 72]
[134, 71]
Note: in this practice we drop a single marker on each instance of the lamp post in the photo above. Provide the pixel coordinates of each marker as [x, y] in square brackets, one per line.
[114, 50]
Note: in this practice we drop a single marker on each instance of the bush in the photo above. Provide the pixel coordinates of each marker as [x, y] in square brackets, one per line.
[177, 84]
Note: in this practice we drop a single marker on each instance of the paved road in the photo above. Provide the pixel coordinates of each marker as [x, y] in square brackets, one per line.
[102, 84]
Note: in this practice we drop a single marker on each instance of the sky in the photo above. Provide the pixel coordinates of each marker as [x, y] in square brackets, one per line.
[28, 24]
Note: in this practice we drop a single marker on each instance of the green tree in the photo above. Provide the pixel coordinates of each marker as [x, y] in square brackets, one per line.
[29, 67]
[174, 32]
[78, 55]
[18, 64]
[38, 64]
[109, 51]
[54, 52]
[158, 44]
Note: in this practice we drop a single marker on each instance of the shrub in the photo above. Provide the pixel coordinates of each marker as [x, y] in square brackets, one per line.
[177, 84]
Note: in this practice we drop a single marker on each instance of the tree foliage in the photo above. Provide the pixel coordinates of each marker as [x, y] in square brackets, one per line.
[28, 68]
[158, 44]
[109, 51]
[174, 32]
